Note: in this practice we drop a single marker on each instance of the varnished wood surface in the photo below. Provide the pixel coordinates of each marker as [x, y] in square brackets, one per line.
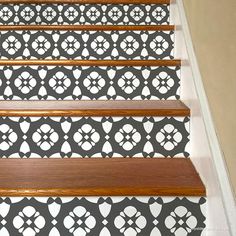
[99, 177]
[89, 27]
[94, 108]
[93, 62]
[85, 1]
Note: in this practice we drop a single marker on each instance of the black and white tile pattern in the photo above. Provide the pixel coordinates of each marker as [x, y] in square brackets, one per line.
[88, 83]
[102, 216]
[86, 44]
[94, 137]
[64, 14]
[43, 137]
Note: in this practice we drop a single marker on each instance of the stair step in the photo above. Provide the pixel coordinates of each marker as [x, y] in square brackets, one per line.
[94, 108]
[88, 27]
[175, 62]
[105, 123]
[99, 177]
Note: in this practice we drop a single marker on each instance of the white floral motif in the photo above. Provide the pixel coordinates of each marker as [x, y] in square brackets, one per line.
[94, 82]
[41, 45]
[45, 137]
[27, 13]
[128, 137]
[11, 45]
[7, 137]
[100, 45]
[70, 45]
[60, 82]
[169, 137]
[71, 13]
[93, 13]
[159, 13]
[25, 82]
[115, 13]
[79, 221]
[29, 221]
[130, 221]
[5, 13]
[181, 222]
[86, 137]
[137, 13]
[49, 13]
[159, 45]
[128, 82]
[129, 45]
[163, 82]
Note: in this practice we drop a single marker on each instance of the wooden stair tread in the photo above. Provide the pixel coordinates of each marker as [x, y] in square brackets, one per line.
[94, 108]
[99, 177]
[85, 1]
[89, 27]
[92, 62]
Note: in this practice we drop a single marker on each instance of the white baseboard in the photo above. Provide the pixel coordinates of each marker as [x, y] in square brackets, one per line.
[205, 148]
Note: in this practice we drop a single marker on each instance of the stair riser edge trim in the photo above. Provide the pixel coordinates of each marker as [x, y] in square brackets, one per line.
[48, 62]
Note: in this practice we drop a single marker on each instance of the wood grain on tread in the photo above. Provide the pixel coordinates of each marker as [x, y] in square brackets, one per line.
[89, 27]
[99, 177]
[93, 62]
[86, 1]
[94, 108]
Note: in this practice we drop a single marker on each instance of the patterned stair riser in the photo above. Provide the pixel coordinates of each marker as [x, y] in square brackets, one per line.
[88, 14]
[102, 216]
[94, 136]
[86, 44]
[88, 83]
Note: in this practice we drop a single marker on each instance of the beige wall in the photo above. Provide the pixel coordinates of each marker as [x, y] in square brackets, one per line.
[213, 29]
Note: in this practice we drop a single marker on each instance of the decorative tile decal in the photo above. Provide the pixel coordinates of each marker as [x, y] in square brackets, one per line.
[86, 44]
[66, 14]
[94, 136]
[88, 83]
[102, 216]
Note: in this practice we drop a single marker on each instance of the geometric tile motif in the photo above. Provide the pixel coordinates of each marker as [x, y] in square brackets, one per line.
[86, 44]
[89, 83]
[66, 14]
[43, 137]
[102, 216]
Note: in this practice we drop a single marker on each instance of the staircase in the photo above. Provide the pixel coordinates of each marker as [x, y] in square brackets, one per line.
[94, 138]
